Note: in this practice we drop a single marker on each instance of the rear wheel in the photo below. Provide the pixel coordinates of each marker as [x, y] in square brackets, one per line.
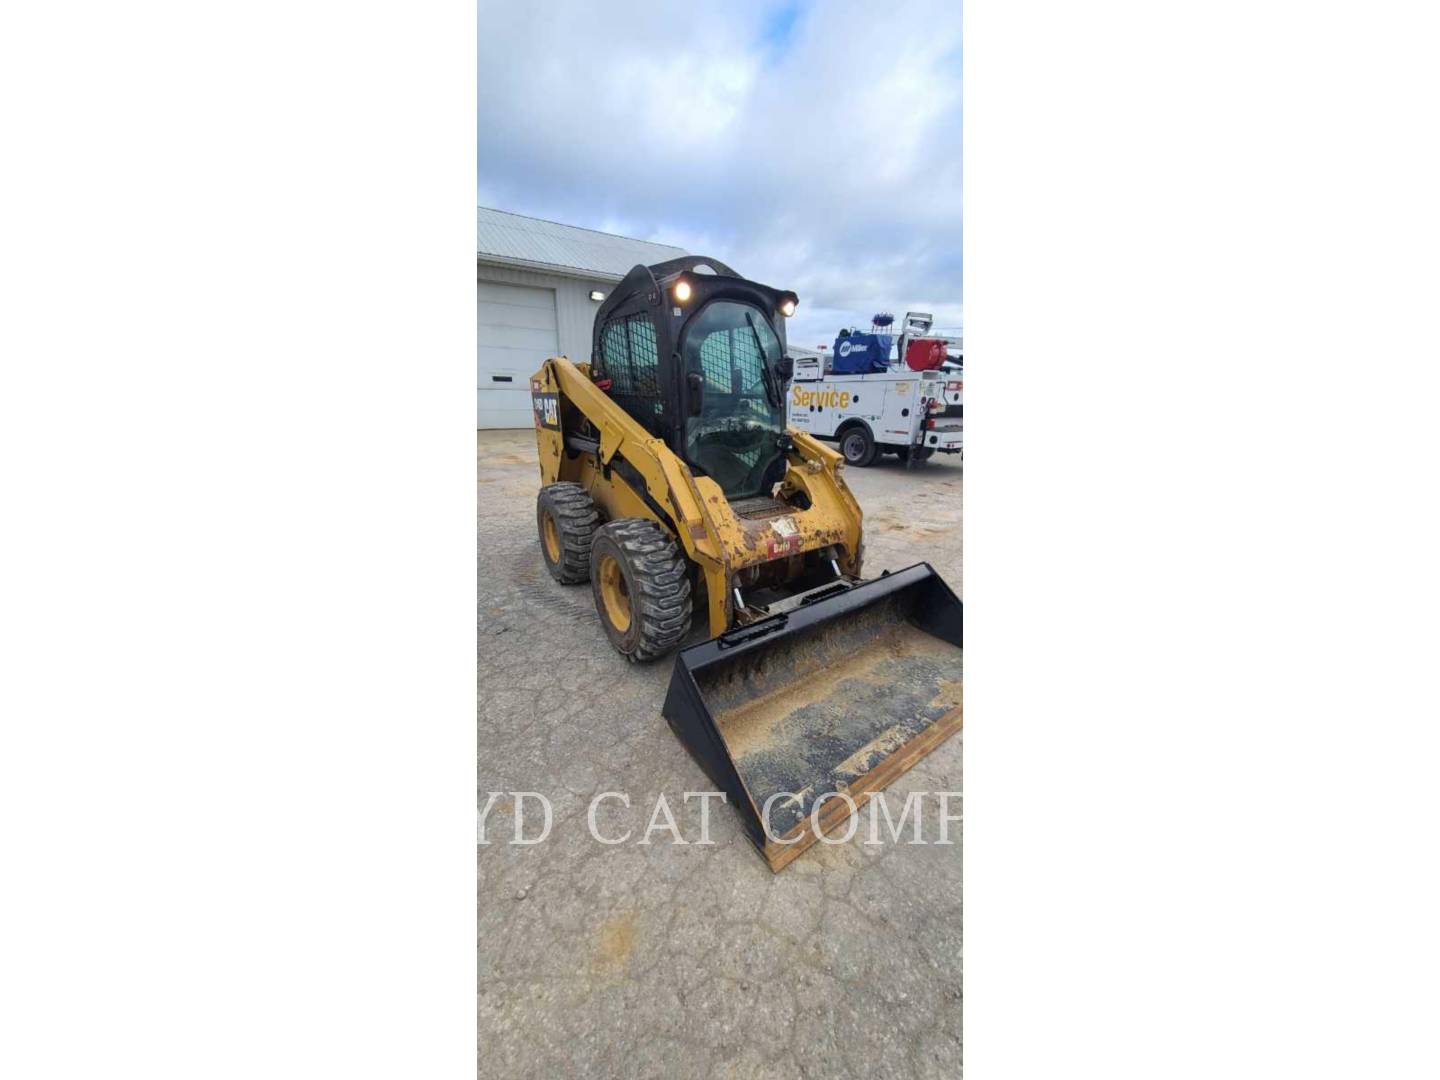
[916, 454]
[641, 586]
[567, 519]
[858, 447]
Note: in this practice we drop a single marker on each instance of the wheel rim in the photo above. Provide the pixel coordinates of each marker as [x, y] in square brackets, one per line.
[854, 447]
[551, 536]
[615, 593]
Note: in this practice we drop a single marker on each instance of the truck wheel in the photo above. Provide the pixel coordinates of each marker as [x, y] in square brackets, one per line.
[567, 519]
[641, 586]
[917, 454]
[858, 447]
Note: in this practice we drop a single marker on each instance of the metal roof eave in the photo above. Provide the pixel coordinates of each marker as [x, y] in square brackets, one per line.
[547, 268]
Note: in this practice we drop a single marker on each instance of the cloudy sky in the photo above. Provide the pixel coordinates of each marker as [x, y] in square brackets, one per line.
[811, 145]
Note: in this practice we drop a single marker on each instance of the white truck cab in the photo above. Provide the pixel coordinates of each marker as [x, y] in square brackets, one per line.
[912, 414]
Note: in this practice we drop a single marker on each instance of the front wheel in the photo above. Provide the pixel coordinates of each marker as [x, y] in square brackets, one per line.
[642, 588]
[567, 520]
[858, 447]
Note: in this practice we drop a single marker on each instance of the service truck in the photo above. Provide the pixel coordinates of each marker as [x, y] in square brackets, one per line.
[911, 405]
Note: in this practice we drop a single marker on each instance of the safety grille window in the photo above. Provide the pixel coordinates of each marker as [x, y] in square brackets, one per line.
[632, 363]
[644, 359]
[616, 350]
[728, 355]
[736, 438]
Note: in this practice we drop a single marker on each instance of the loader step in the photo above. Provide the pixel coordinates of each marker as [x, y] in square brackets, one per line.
[760, 507]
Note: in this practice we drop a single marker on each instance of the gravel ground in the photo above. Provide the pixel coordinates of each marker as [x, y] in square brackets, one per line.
[667, 960]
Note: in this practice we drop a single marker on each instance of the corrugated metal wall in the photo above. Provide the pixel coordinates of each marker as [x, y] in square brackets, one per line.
[574, 310]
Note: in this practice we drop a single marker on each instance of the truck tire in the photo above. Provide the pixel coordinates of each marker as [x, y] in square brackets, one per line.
[642, 588]
[857, 446]
[567, 519]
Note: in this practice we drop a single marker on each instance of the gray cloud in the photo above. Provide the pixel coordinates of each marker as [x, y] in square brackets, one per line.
[812, 146]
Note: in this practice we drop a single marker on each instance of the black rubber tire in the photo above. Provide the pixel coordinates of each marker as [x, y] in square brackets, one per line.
[858, 446]
[656, 576]
[576, 519]
[919, 454]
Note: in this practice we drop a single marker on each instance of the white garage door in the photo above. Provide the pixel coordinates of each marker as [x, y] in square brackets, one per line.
[517, 332]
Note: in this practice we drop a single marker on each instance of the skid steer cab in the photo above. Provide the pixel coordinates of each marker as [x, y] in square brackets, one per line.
[672, 485]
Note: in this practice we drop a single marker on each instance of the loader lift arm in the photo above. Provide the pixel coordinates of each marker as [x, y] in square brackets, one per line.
[693, 508]
[662, 481]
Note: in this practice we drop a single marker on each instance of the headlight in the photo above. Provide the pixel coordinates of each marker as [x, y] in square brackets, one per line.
[787, 307]
[682, 291]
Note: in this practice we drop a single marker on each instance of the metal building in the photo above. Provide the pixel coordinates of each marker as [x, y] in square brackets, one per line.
[539, 286]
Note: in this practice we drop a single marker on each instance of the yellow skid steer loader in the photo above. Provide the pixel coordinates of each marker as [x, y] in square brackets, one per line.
[670, 482]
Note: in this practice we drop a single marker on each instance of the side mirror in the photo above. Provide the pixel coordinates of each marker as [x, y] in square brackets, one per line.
[695, 385]
[785, 367]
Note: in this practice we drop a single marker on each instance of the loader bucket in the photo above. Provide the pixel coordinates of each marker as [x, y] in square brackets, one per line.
[839, 696]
